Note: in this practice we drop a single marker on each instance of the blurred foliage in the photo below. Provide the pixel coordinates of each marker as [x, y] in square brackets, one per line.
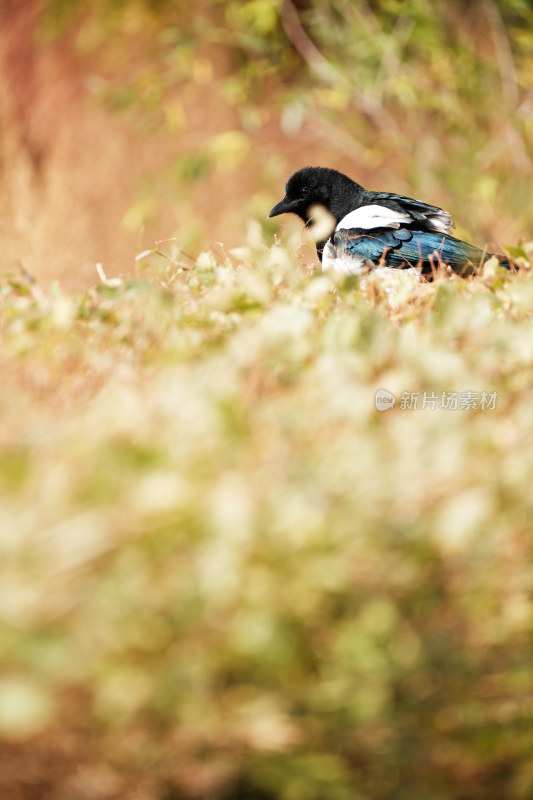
[368, 79]
[225, 574]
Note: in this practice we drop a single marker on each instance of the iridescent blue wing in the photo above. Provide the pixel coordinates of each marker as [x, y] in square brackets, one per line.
[401, 248]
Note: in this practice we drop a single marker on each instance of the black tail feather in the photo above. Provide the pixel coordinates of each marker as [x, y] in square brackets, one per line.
[503, 261]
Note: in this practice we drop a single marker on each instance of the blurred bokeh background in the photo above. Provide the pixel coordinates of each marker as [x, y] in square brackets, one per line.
[224, 575]
[124, 123]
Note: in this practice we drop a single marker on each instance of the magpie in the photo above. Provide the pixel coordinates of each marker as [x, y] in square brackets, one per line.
[377, 229]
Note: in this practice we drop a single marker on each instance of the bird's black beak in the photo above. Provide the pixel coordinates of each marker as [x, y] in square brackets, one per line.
[283, 207]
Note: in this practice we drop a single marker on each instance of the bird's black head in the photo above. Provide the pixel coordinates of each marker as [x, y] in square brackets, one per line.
[318, 186]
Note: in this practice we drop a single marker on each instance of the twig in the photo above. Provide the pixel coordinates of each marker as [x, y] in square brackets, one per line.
[101, 273]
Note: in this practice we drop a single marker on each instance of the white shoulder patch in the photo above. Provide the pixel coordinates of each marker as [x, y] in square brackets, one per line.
[373, 216]
[376, 216]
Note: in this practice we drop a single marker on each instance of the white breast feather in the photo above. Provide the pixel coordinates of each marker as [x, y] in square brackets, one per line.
[347, 263]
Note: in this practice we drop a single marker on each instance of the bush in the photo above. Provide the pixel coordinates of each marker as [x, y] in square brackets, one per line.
[226, 574]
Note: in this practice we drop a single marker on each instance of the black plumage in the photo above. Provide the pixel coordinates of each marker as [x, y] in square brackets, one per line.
[377, 228]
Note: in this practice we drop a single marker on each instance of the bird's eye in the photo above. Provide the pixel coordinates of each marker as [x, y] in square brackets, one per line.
[305, 191]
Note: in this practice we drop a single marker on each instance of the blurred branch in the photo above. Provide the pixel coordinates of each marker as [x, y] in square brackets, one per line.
[504, 54]
[308, 50]
[509, 138]
[321, 67]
